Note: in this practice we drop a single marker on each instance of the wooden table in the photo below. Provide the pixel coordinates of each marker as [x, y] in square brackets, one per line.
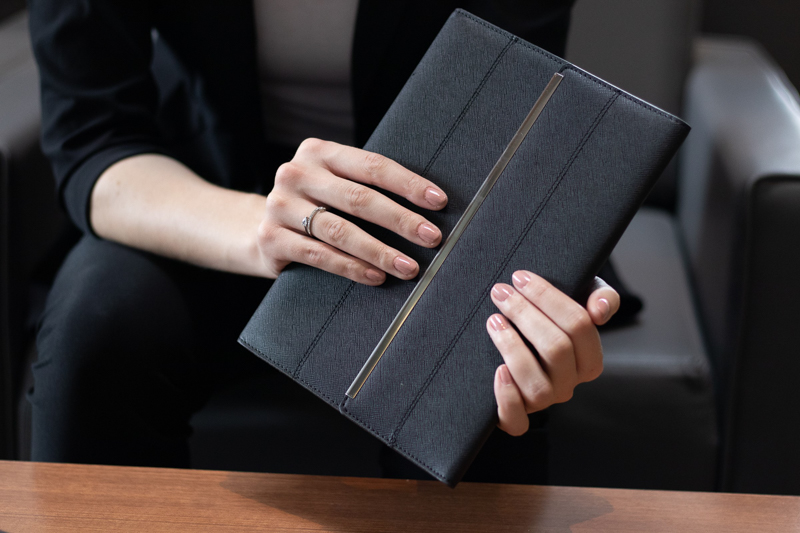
[55, 497]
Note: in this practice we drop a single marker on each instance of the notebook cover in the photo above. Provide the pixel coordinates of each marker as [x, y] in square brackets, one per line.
[557, 209]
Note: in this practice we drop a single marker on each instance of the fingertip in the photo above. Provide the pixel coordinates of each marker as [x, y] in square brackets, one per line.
[505, 385]
[603, 310]
[510, 408]
[406, 267]
[496, 323]
[603, 302]
[429, 234]
[436, 198]
[501, 292]
[505, 375]
[374, 277]
[513, 430]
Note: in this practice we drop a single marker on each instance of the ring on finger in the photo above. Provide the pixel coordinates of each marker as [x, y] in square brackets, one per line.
[309, 220]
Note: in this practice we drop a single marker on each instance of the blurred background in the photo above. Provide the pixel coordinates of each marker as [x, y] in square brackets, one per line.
[773, 23]
[701, 390]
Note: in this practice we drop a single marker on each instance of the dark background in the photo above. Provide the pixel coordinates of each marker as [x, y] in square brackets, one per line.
[774, 23]
[9, 6]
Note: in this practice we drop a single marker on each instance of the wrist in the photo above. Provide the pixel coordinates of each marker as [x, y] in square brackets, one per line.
[242, 255]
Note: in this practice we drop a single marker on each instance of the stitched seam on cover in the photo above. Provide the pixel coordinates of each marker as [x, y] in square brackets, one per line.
[564, 64]
[322, 330]
[397, 446]
[468, 105]
[283, 369]
[624, 95]
[534, 217]
[341, 407]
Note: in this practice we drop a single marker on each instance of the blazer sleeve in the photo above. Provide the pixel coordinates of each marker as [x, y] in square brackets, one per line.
[99, 98]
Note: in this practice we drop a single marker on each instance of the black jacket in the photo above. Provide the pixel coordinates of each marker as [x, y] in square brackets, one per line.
[179, 77]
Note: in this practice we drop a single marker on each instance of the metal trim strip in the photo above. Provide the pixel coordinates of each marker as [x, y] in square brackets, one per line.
[454, 236]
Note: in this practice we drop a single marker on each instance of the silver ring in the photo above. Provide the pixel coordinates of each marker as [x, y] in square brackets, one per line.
[310, 218]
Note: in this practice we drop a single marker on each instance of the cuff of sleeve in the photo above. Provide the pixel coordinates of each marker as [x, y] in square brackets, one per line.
[76, 193]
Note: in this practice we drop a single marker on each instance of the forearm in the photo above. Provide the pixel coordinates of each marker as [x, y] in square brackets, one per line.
[155, 203]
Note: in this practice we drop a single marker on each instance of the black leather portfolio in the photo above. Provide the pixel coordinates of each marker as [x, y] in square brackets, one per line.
[544, 166]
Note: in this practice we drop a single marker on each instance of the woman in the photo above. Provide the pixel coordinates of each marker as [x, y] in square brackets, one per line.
[151, 121]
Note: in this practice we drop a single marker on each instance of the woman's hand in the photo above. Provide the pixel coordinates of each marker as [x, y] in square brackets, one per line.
[564, 335]
[333, 175]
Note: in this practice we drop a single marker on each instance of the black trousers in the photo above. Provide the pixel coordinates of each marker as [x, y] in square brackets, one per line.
[129, 346]
[132, 344]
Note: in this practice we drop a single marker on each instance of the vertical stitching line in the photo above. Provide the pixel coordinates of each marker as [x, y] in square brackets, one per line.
[500, 268]
[321, 331]
[467, 107]
[566, 65]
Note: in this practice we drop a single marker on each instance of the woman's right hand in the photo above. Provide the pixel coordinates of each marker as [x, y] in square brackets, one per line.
[332, 175]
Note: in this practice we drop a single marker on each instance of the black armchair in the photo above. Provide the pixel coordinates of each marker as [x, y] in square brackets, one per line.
[704, 389]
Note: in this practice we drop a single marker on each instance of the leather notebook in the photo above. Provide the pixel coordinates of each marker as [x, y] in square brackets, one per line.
[544, 166]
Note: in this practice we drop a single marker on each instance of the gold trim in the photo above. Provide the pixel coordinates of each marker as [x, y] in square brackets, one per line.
[452, 239]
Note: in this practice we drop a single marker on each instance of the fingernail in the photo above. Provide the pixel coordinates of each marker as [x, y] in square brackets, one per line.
[434, 197]
[498, 323]
[373, 275]
[521, 278]
[428, 233]
[505, 375]
[501, 292]
[405, 266]
[605, 308]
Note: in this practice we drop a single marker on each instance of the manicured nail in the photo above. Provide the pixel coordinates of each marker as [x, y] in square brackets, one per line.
[501, 292]
[373, 275]
[605, 308]
[436, 198]
[405, 266]
[428, 233]
[497, 322]
[521, 278]
[505, 375]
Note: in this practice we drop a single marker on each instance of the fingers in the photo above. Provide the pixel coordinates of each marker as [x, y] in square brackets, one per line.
[348, 196]
[532, 382]
[353, 241]
[576, 330]
[510, 405]
[332, 175]
[288, 246]
[563, 334]
[603, 303]
[374, 169]
[556, 352]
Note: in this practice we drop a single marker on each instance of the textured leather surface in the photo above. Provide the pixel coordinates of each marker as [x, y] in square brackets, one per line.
[562, 203]
[650, 420]
[740, 219]
[642, 47]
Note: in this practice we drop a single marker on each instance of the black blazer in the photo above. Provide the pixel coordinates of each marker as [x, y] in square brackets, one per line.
[179, 77]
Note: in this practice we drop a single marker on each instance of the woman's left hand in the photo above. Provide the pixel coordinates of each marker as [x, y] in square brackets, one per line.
[564, 334]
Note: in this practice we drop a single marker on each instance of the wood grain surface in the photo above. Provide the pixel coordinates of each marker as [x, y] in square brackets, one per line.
[54, 497]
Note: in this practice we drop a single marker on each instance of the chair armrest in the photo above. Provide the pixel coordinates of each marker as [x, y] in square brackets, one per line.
[739, 214]
[29, 218]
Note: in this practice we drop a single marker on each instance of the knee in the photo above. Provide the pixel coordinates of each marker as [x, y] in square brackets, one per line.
[107, 317]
